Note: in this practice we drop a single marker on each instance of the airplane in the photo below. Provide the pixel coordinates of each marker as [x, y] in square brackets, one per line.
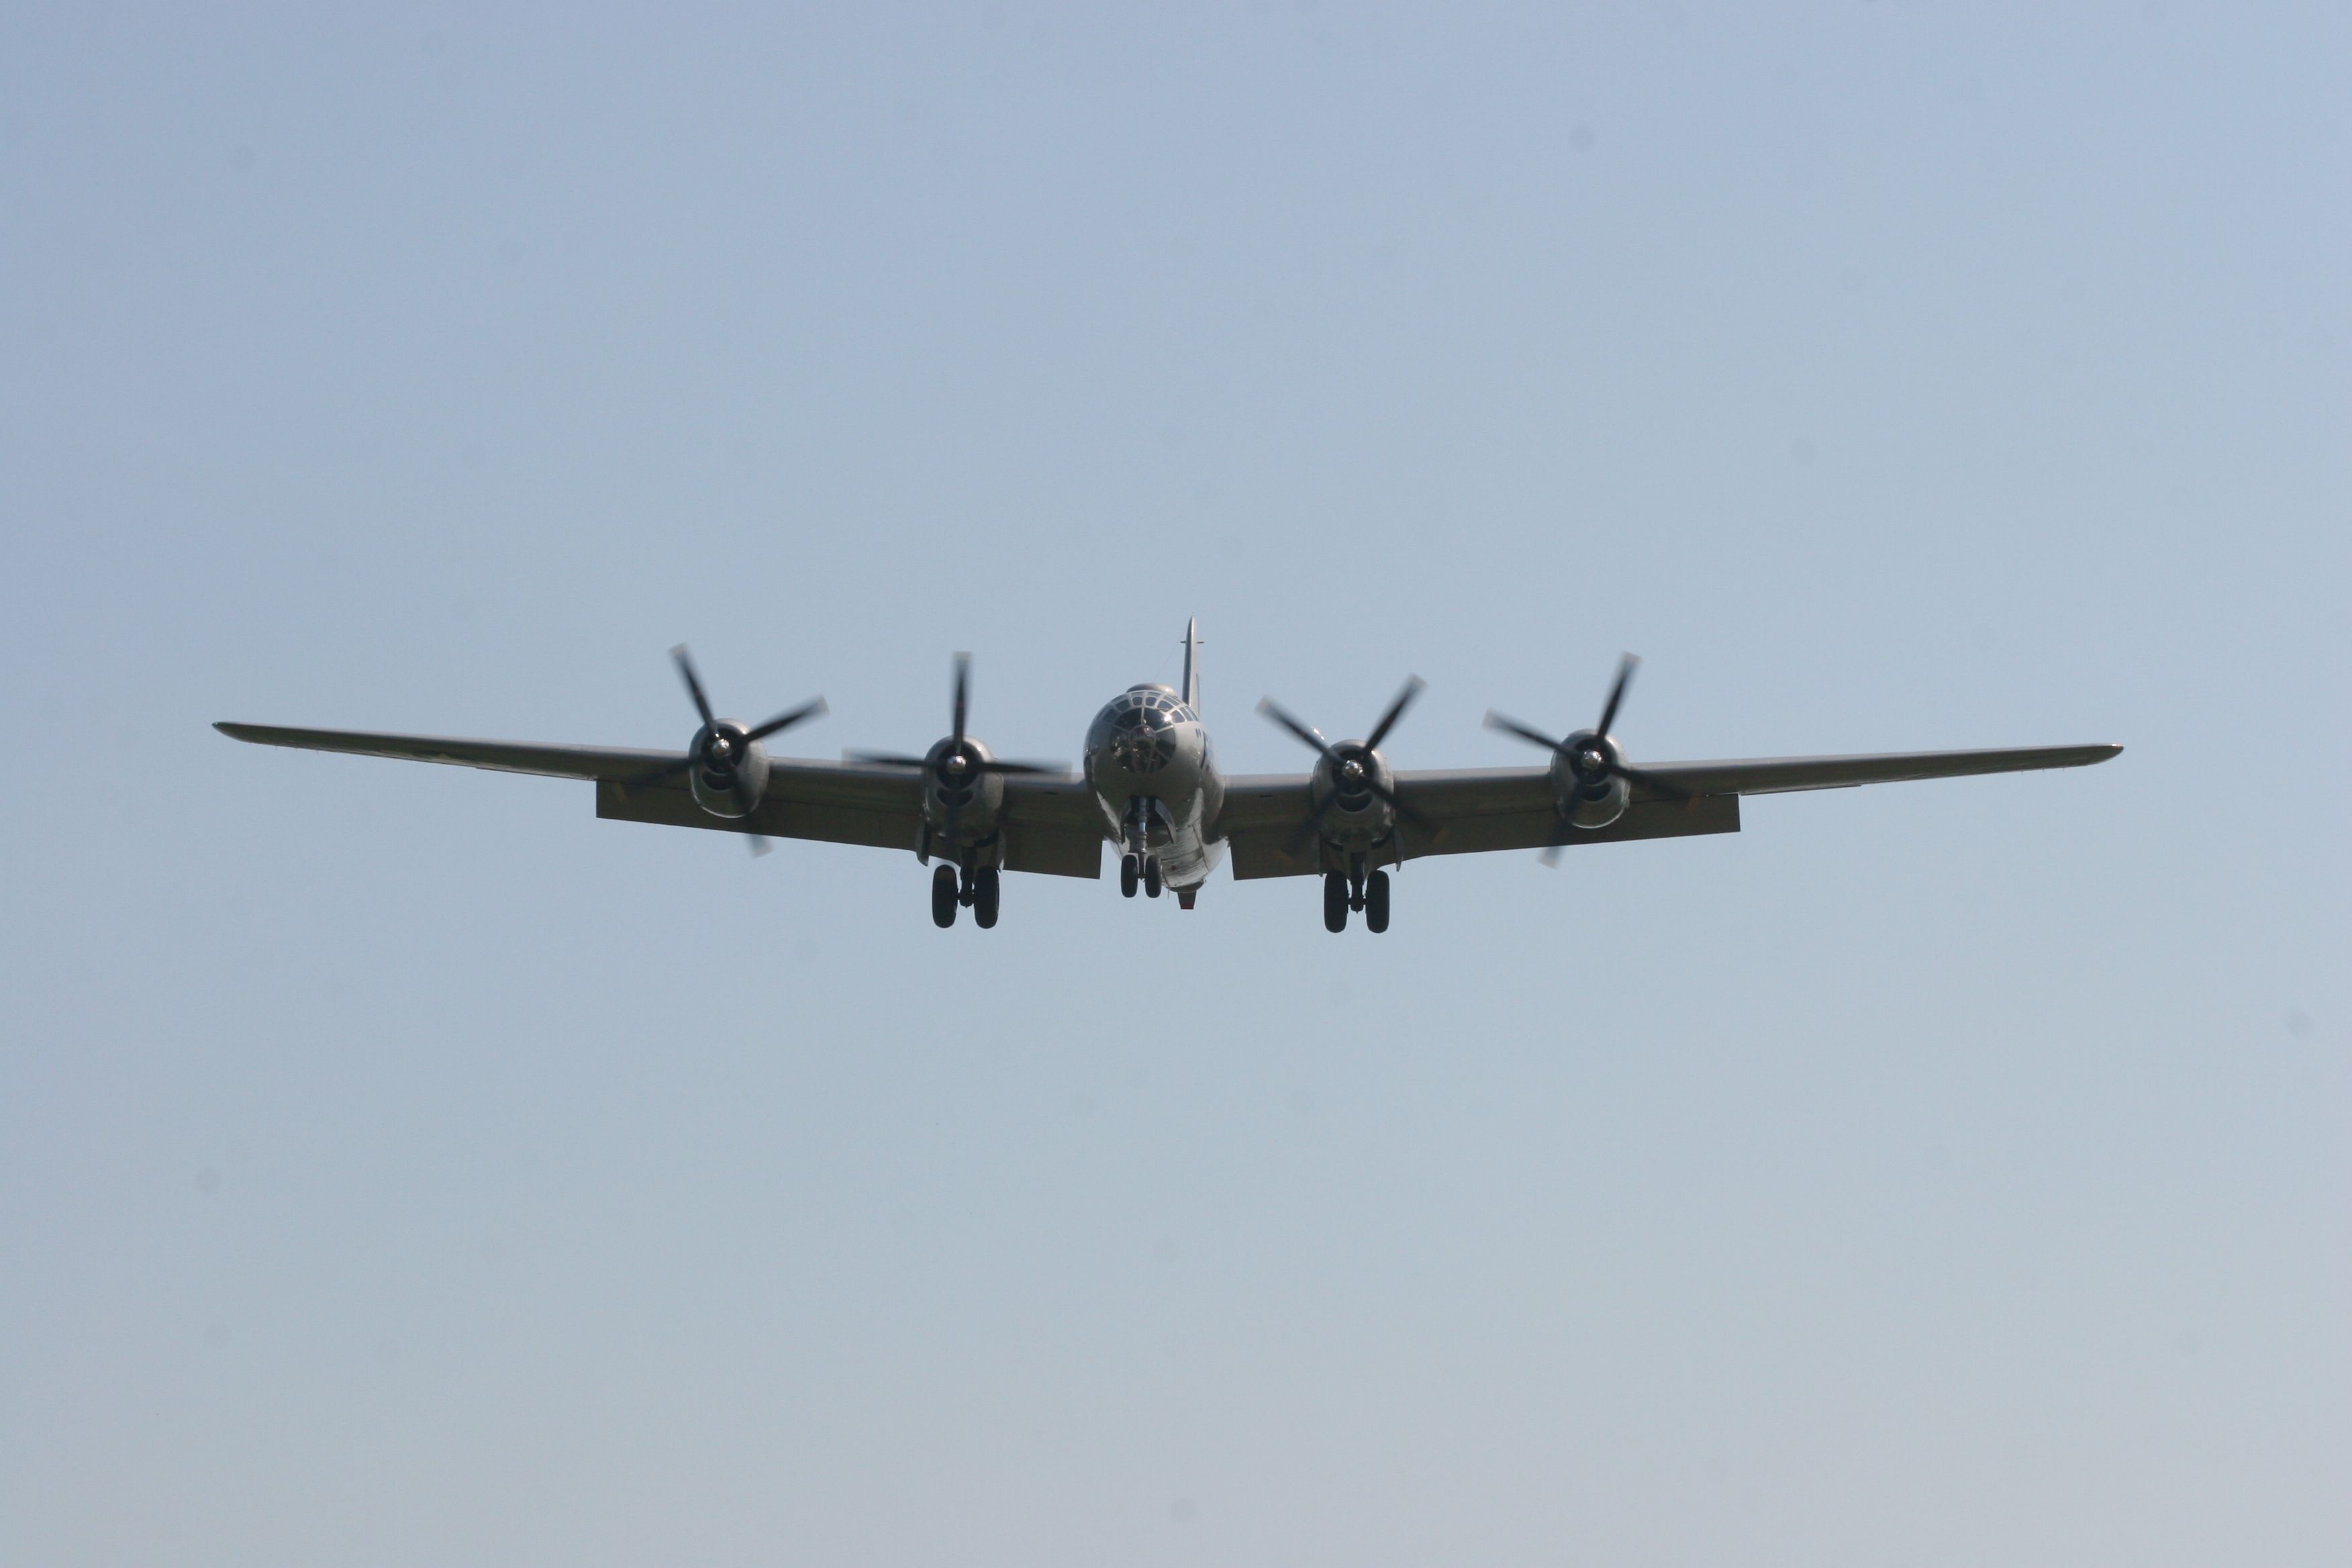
[1148, 785]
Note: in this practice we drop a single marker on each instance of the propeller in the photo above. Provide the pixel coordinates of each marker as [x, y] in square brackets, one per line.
[960, 767]
[1589, 755]
[1352, 768]
[724, 746]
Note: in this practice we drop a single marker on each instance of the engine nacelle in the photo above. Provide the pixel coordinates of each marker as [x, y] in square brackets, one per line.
[729, 773]
[1353, 815]
[959, 788]
[1587, 792]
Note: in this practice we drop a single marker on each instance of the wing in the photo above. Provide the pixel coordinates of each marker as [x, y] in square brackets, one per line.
[1050, 824]
[1774, 775]
[1471, 810]
[505, 756]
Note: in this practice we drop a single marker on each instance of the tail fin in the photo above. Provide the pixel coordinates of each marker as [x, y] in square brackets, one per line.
[1192, 663]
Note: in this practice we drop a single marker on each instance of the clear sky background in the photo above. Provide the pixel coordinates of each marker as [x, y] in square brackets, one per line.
[399, 1165]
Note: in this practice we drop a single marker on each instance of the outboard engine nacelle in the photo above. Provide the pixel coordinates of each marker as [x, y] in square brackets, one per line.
[1591, 785]
[725, 766]
[1587, 781]
[730, 770]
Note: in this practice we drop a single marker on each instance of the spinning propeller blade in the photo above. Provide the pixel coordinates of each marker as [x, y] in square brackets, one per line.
[1625, 667]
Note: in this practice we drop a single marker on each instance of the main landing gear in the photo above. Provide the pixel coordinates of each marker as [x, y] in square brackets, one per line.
[1139, 871]
[975, 889]
[1367, 893]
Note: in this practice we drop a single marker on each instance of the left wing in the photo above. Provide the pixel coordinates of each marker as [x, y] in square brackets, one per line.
[1050, 824]
[1472, 810]
[504, 756]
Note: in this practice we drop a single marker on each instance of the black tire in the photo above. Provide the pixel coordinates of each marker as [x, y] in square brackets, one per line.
[1151, 876]
[943, 897]
[1376, 902]
[1335, 901]
[1130, 873]
[984, 897]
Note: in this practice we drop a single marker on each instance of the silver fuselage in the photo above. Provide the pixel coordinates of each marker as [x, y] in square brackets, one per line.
[1148, 763]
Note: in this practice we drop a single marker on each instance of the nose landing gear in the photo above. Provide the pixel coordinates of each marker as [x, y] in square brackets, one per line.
[1139, 871]
[1138, 867]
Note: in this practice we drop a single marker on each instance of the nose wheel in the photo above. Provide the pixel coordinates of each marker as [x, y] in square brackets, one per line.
[1139, 868]
[977, 888]
[1367, 894]
[1139, 871]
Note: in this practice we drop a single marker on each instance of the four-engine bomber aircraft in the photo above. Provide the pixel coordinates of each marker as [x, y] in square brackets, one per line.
[1149, 785]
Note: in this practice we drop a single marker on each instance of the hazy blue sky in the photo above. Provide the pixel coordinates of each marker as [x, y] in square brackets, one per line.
[398, 1165]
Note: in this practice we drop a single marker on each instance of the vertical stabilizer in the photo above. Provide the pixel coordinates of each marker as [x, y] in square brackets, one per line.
[1192, 663]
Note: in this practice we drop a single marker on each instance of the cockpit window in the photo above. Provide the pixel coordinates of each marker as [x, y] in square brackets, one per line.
[1149, 710]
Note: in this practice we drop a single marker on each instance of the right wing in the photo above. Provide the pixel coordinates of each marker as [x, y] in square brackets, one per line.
[1474, 809]
[1774, 775]
[1469, 810]
[1050, 824]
